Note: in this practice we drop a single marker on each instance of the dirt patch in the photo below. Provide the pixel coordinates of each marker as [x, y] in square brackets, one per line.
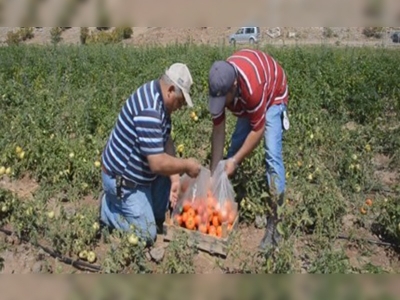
[381, 161]
[351, 126]
[361, 252]
[348, 222]
[360, 256]
[206, 264]
[22, 258]
[23, 188]
[251, 237]
[382, 173]
[386, 177]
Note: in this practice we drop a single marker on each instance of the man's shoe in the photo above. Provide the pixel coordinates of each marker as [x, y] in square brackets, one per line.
[271, 237]
[160, 226]
[102, 224]
[101, 196]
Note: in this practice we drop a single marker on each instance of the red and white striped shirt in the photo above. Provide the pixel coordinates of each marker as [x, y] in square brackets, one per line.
[262, 83]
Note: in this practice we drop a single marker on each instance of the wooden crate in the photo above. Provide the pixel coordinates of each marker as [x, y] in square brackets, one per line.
[205, 242]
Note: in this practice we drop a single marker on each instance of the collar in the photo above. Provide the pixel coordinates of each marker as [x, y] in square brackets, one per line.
[157, 87]
[160, 99]
[238, 90]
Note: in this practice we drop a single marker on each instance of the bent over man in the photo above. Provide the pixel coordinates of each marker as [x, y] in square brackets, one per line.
[253, 86]
[140, 173]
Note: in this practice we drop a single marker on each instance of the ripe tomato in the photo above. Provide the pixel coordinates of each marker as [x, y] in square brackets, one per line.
[190, 223]
[219, 231]
[200, 208]
[186, 205]
[210, 214]
[184, 217]
[228, 205]
[368, 202]
[197, 220]
[231, 217]
[191, 212]
[215, 221]
[204, 218]
[222, 216]
[203, 228]
[212, 231]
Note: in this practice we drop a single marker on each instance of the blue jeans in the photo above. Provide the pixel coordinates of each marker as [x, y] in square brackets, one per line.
[140, 207]
[273, 145]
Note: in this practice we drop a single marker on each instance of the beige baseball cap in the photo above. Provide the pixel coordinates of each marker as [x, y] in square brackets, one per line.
[180, 75]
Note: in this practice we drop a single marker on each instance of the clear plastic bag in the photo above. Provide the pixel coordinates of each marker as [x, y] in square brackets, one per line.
[206, 205]
[191, 204]
[224, 195]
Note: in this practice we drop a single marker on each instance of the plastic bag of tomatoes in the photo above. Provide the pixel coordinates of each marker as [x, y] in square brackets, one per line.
[204, 206]
[223, 196]
[190, 205]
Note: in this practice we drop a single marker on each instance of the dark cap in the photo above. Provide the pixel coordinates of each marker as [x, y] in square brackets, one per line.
[221, 78]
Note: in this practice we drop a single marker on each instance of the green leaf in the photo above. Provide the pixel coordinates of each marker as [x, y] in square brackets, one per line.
[280, 229]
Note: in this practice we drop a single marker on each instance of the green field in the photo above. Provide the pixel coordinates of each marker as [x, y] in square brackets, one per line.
[59, 104]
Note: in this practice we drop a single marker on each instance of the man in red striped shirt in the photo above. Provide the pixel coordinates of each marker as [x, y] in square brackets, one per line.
[253, 86]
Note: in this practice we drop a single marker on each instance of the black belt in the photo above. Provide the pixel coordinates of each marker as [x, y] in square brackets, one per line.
[127, 183]
[120, 182]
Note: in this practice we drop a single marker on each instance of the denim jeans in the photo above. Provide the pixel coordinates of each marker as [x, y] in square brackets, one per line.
[140, 207]
[273, 144]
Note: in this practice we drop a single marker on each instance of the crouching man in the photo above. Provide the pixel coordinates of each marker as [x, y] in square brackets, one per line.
[140, 173]
[253, 86]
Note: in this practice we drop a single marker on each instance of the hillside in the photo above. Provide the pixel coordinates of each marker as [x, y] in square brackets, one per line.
[219, 35]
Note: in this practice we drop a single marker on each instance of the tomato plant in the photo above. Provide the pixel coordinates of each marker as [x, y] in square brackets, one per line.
[59, 104]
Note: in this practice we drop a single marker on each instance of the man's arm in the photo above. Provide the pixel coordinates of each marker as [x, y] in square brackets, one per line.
[251, 142]
[167, 165]
[152, 147]
[217, 144]
[257, 122]
[170, 149]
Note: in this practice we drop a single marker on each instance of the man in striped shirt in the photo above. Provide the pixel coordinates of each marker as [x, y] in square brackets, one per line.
[253, 86]
[140, 172]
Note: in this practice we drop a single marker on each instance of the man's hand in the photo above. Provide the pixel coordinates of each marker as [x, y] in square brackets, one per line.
[175, 188]
[230, 167]
[193, 167]
[251, 142]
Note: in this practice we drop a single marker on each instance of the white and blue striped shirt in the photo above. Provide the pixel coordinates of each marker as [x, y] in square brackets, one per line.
[143, 128]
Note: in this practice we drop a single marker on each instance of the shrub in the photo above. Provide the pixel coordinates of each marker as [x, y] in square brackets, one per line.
[13, 38]
[328, 32]
[376, 32]
[124, 32]
[84, 35]
[127, 32]
[26, 33]
[103, 37]
[23, 34]
[55, 33]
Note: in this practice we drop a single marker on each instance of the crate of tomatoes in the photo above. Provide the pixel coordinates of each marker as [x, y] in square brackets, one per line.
[206, 210]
